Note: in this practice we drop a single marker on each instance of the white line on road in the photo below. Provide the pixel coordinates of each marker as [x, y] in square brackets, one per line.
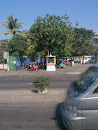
[29, 83]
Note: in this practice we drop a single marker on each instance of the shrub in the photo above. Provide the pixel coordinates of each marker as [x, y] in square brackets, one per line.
[41, 82]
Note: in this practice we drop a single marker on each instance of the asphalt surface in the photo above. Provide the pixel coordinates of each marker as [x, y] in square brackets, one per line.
[22, 108]
[30, 116]
[25, 83]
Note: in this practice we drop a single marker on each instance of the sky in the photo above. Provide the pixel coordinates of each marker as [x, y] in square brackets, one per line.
[26, 11]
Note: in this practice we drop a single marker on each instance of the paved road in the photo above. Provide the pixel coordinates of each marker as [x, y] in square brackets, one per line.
[25, 83]
[21, 108]
[21, 80]
[30, 116]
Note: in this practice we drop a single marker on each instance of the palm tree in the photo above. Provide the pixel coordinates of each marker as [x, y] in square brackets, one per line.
[12, 25]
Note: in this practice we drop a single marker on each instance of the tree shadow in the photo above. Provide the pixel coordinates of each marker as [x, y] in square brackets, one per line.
[58, 119]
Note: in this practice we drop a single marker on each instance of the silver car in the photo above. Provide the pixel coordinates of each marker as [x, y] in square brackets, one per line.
[80, 109]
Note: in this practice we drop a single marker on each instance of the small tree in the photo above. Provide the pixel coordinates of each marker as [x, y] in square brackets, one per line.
[41, 83]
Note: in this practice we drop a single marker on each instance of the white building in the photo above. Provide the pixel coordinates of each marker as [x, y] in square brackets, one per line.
[86, 59]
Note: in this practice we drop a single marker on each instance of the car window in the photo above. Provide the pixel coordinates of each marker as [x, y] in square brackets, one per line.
[95, 91]
[86, 80]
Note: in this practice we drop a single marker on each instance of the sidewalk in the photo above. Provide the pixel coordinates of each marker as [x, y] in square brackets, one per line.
[26, 95]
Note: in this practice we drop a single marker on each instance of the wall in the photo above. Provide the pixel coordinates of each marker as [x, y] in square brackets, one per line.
[5, 66]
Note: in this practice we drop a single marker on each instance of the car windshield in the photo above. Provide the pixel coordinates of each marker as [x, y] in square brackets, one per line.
[86, 79]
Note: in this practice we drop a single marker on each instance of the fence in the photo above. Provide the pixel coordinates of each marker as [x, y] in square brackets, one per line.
[3, 66]
[26, 60]
[15, 63]
[19, 64]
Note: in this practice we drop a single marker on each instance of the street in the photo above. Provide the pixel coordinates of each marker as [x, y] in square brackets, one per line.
[28, 116]
[22, 108]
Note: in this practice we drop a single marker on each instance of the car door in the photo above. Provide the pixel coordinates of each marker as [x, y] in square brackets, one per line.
[92, 110]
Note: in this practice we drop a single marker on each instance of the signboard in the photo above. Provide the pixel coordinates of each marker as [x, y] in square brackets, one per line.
[5, 55]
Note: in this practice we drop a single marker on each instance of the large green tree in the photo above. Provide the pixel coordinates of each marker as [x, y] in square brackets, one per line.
[53, 33]
[26, 35]
[11, 25]
[83, 43]
[3, 44]
[96, 41]
[17, 46]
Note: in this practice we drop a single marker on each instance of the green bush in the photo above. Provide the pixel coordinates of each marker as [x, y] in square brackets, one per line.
[41, 82]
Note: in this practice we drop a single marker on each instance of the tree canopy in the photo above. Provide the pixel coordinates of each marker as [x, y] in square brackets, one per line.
[12, 25]
[17, 46]
[83, 42]
[53, 33]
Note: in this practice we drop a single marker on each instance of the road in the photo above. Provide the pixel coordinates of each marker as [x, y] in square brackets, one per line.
[39, 112]
[30, 116]
[16, 82]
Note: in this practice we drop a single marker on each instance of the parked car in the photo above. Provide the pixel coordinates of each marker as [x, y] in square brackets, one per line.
[32, 66]
[80, 109]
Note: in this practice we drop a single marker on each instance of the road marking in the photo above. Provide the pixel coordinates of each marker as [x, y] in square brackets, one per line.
[29, 83]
